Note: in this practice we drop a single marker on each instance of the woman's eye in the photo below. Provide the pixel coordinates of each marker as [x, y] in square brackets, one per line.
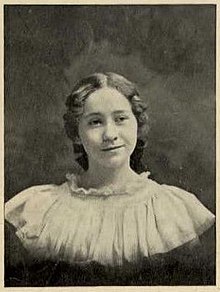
[121, 119]
[95, 122]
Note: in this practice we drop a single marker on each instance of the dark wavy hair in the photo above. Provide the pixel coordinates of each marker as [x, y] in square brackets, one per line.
[75, 104]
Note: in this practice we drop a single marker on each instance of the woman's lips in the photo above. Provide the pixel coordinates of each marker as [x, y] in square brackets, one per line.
[112, 148]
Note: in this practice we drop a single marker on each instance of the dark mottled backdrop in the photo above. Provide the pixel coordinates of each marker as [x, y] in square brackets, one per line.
[169, 51]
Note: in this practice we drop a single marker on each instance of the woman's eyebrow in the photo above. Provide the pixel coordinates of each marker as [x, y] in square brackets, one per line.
[92, 114]
[121, 111]
[101, 114]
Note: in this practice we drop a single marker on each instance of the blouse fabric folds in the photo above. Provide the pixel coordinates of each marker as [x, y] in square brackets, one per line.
[110, 226]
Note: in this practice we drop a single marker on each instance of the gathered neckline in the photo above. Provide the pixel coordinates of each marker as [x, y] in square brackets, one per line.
[73, 181]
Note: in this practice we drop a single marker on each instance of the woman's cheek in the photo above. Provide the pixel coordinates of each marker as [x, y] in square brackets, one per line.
[94, 136]
[131, 131]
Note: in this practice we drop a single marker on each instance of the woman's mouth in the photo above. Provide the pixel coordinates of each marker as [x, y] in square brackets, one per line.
[112, 148]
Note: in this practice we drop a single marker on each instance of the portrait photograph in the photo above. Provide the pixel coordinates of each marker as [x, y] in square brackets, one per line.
[109, 145]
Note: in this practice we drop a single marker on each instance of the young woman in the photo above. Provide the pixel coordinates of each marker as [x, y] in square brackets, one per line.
[111, 223]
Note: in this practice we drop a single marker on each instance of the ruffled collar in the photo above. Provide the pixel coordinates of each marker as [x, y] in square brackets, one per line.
[73, 181]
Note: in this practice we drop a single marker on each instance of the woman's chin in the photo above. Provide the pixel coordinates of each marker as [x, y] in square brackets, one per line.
[114, 162]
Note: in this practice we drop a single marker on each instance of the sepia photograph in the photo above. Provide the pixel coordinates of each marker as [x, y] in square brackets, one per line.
[109, 145]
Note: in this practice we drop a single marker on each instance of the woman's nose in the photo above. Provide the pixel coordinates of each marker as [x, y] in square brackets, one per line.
[110, 132]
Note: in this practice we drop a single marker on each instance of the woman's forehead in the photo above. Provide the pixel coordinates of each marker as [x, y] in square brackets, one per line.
[106, 99]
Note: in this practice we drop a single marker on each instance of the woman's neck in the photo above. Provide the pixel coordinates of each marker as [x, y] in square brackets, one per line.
[100, 176]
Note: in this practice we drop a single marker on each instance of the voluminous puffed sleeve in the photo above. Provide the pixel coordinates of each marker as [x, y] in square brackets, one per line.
[26, 210]
[175, 217]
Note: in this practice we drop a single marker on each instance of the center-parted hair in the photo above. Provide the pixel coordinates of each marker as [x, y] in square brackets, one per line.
[75, 107]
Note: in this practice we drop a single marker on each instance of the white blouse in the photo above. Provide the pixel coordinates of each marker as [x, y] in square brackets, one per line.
[109, 226]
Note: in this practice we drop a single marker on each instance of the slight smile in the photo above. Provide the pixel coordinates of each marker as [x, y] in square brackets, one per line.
[112, 148]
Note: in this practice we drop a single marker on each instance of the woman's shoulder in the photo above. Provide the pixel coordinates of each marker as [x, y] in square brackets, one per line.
[174, 204]
[46, 190]
[28, 207]
[34, 195]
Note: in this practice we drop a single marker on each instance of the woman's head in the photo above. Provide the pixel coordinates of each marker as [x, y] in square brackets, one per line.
[119, 87]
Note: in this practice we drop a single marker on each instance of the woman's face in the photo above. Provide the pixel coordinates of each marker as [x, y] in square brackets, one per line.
[108, 128]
